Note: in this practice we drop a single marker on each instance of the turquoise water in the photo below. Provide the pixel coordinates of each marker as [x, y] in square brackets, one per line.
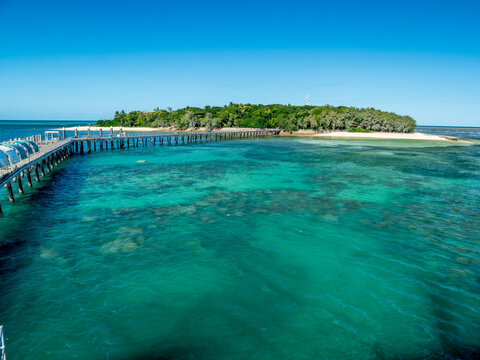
[279, 248]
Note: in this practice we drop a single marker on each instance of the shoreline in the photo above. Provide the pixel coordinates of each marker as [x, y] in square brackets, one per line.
[384, 136]
[310, 133]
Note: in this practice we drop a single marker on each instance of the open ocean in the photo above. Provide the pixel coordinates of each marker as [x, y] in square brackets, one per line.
[11, 129]
[270, 248]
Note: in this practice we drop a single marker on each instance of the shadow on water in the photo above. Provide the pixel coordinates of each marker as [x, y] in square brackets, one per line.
[451, 353]
[21, 238]
[449, 348]
[172, 353]
[179, 344]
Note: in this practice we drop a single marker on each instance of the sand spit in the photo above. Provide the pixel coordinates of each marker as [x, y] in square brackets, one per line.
[376, 135]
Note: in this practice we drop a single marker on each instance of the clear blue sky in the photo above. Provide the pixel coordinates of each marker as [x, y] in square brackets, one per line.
[86, 59]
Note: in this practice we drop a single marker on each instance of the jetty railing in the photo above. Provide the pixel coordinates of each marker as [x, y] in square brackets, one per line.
[55, 149]
[3, 355]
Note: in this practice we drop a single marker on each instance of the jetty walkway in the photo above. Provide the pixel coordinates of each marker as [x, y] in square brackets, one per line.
[26, 157]
[89, 142]
[48, 156]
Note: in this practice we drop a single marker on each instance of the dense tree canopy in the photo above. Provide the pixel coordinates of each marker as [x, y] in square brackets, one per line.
[287, 117]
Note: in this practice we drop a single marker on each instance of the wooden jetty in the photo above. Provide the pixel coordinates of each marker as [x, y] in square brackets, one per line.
[90, 143]
[53, 153]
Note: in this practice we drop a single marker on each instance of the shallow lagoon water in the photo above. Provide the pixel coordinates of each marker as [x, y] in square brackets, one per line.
[289, 248]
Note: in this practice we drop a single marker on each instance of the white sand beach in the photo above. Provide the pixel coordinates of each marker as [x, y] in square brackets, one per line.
[388, 135]
[374, 135]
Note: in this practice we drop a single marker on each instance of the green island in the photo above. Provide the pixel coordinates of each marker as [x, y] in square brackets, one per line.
[286, 117]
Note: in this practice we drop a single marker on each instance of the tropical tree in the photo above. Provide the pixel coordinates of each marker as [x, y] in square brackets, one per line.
[189, 120]
[209, 122]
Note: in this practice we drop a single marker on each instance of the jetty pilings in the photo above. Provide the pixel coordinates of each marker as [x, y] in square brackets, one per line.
[10, 192]
[124, 140]
[50, 155]
[29, 178]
